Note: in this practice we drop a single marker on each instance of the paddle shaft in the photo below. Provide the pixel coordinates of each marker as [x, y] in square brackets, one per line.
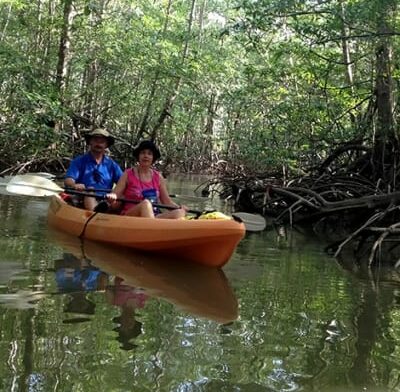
[131, 201]
[251, 222]
[66, 189]
[173, 195]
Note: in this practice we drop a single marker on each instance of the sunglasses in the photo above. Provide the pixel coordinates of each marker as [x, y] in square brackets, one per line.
[97, 177]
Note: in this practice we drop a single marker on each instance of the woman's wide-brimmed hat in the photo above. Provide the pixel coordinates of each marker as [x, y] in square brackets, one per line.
[100, 132]
[147, 145]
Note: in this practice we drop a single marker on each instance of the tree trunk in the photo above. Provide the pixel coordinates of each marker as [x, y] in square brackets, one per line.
[201, 19]
[64, 48]
[387, 143]
[384, 80]
[143, 129]
[207, 147]
[48, 41]
[3, 33]
[346, 56]
[90, 105]
[169, 102]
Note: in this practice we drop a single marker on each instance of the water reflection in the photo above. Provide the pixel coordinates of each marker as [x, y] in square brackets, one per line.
[198, 290]
[75, 276]
[306, 323]
[377, 307]
[129, 279]
[14, 297]
[128, 299]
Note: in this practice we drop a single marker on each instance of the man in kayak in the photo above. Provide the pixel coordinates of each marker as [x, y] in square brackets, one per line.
[145, 185]
[94, 170]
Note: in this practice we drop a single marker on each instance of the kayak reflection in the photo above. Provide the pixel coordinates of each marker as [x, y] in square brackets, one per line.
[198, 290]
[76, 276]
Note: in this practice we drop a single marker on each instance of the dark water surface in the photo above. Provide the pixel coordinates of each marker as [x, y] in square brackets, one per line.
[280, 316]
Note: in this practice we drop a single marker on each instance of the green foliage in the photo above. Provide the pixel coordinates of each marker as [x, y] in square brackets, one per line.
[260, 84]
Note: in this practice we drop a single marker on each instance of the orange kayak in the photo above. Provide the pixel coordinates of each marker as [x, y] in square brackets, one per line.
[208, 242]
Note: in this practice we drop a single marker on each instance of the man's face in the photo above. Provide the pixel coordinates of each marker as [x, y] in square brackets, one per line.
[98, 143]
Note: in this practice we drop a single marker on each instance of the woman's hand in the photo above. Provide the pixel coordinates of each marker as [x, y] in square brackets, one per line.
[111, 196]
[112, 199]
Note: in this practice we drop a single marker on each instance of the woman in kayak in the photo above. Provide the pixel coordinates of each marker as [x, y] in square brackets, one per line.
[145, 185]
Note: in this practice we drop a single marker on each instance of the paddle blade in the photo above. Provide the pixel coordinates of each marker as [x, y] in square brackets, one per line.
[31, 185]
[252, 222]
[26, 190]
[190, 198]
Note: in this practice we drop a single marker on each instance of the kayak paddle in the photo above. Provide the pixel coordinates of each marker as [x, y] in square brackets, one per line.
[31, 185]
[41, 183]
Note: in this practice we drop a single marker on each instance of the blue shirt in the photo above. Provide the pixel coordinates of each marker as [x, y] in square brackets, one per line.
[85, 280]
[85, 170]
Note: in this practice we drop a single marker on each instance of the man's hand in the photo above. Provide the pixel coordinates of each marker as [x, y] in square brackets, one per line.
[79, 187]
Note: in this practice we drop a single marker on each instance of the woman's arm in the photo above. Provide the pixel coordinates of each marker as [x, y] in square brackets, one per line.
[119, 189]
[164, 196]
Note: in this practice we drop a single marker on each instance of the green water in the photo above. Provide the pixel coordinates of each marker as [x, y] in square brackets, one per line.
[281, 316]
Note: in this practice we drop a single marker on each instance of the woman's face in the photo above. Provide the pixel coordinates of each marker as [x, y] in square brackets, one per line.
[146, 157]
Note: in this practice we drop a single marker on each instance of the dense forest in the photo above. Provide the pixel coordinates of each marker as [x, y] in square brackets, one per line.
[291, 104]
[267, 86]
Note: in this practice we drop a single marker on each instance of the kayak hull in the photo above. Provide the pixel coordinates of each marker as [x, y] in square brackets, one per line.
[208, 242]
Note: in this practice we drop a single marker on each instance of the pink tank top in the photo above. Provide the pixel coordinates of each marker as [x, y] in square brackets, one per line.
[135, 186]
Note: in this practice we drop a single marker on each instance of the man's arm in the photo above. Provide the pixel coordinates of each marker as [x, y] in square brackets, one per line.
[72, 175]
